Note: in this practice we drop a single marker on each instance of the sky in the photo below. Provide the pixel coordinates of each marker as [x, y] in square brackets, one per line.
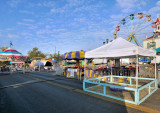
[68, 25]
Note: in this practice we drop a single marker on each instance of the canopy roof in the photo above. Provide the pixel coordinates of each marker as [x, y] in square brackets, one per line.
[73, 55]
[119, 48]
[54, 61]
[158, 50]
[11, 52]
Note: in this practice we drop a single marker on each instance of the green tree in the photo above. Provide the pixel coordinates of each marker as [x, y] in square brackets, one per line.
[36, 53]
[56, 56]
[3, 48]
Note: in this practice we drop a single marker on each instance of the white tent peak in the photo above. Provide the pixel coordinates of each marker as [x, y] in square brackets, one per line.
[119, 48]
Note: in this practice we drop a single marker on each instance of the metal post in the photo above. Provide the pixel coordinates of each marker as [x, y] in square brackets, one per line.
[79, 74]
[111, 67]
[149, 89]
[156, 84]
[39, 66]
[23, 69]
[155, 69]
[11, 68]
[111, 72]
[137, 72]
[104, 90]
[84, 87]
[137, 93]
[84, 69]
[130, 81]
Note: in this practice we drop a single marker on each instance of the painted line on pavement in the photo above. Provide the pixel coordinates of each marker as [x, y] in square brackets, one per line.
[138, 107]
[20, 84]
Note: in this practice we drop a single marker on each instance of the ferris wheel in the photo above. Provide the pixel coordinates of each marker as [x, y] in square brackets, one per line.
[135, 28]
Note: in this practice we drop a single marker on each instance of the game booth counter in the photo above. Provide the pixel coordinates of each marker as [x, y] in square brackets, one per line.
[73, 66]
[131, 89]
[15, 59]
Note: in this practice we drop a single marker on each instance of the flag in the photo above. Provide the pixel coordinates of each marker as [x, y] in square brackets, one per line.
[11, 44]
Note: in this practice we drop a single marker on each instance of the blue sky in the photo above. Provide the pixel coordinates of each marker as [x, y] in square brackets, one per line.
[68, 25]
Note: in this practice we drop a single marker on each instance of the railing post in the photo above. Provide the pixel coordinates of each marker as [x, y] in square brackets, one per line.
[111, 79]
[84, 85]
[149, 89]
[104, 90]
[136, 97]
[156, 83]
[130, 81]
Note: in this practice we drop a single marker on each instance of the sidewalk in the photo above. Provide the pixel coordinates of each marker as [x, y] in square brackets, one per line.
[153, 101]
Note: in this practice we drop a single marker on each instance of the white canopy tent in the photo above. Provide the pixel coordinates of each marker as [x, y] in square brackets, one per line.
[121, 48]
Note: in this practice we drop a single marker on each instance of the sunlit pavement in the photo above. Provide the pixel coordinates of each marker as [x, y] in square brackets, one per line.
[49, 93]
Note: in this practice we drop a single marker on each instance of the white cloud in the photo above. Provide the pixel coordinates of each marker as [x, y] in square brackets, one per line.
[115, 17]
[22, 23]
[14, 3]
[130, 5]
[26, 12]
[158, 3]
[26, 34]
[74, 6]
[13, 36]
[155, 10]
[28, 20]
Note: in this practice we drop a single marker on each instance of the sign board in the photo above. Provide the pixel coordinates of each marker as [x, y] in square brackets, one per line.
[3, 58]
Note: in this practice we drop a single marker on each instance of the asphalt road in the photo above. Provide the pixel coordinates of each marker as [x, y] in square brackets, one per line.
[39, 93]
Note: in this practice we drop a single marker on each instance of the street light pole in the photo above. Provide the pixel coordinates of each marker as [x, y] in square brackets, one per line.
[39, 66]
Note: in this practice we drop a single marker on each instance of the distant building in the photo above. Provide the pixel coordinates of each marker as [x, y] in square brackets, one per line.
[153, 42]
[38, 59]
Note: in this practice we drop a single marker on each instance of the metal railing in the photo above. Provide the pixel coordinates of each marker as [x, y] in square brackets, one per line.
[109, 87]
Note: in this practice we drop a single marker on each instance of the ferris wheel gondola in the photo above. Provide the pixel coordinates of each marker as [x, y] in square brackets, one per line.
[134, 27]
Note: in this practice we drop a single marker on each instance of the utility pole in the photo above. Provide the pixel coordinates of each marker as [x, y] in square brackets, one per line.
[55, 50]
[58, 55]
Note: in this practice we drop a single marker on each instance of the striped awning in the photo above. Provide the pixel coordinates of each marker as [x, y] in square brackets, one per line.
[17, 62]
[11, 52]
[74, 55]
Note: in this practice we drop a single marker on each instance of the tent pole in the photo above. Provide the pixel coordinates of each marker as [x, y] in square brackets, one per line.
[155, 69]
[85, 69]
[156, 85]
[11, 67]
[137, 72]
[111, 67]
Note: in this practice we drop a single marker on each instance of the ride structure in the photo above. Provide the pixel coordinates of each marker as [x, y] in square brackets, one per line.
[133, 27]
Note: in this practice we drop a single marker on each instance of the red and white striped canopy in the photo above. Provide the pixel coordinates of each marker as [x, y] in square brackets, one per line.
[11, 52]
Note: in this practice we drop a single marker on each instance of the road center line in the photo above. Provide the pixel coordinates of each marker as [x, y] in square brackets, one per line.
[138, 107]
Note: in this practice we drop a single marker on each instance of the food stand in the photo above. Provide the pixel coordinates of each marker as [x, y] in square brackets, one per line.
[73, 66]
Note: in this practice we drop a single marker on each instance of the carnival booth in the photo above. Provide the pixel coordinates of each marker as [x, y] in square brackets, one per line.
[76, 69]
[131, 89]
[48, 66]
[16, 59]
